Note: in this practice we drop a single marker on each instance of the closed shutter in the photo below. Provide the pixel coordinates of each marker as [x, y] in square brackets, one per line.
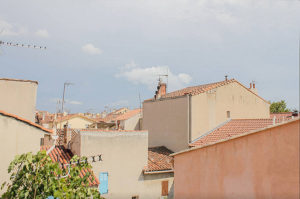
[164, 188]
[103, 187]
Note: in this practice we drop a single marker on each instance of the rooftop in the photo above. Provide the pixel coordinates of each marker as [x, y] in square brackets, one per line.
[195, 90]
[129, 114]
[235, 136]
[25, 121]
[159, 160]
[18, 80]
[64, 155]
[232, 128]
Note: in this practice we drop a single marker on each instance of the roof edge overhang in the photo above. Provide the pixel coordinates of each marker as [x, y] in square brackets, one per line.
[235, 137]
[158, 172]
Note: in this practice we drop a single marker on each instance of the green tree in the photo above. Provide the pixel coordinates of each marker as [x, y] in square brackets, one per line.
[37, 177]
[279, 107]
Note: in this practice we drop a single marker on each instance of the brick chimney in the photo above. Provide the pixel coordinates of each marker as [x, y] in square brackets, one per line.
[161, 90]
[252, 87]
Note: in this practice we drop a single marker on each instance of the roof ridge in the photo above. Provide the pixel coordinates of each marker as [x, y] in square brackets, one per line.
[19, 80]
[25, 121]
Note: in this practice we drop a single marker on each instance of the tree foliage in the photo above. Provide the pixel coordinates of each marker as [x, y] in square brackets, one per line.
[37, 177]
[279, 107]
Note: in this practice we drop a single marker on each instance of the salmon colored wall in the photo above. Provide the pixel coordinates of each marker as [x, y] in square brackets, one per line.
[260, 165]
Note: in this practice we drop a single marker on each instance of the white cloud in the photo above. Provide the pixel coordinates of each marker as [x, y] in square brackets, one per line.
[8, 29]
[91, 49]
[149, 76]
[75, 102]
[42, 33]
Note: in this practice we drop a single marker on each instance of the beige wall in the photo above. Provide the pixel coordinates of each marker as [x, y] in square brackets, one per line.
[16, 138]
[75, 123]
[257, 166]
[167, 120]
[132, 123]
[124, 155]
[19, 98]
[210, 109]
[167, 123]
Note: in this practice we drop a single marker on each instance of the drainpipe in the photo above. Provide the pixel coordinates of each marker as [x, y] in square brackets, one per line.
[189, 118]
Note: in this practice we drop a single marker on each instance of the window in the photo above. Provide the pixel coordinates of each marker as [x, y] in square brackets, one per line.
[103, 187]
[164, 188]
[228, 114]
[135, 197]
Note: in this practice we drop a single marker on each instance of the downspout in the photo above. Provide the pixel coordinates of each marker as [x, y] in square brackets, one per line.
[189, 118]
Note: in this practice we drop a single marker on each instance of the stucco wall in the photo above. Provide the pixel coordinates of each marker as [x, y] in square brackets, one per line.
[75, 123]
[19, 98]
[132, 123]
[257, 166]
[124, 155]
[16, 138]
[167, 123]
[210, 109]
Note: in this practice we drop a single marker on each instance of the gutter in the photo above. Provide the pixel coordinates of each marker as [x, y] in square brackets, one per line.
[158, 172]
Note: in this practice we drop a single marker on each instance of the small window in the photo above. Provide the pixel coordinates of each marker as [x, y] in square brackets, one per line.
[135, 197]
[228, 114]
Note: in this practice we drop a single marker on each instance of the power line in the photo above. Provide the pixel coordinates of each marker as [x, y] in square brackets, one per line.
[22, 45]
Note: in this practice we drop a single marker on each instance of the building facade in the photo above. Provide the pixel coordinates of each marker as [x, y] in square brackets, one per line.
[176, 119]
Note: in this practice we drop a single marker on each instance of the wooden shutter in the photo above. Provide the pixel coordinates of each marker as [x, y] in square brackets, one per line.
[164, 188]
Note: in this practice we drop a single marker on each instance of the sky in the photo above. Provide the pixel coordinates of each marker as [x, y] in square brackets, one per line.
[113, 51]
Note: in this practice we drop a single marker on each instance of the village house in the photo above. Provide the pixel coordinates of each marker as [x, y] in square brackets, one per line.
[177, 118]
[18, 97]
[129, 169]
[244, 158]
[75, 121]
[123, 119]
[18, 132]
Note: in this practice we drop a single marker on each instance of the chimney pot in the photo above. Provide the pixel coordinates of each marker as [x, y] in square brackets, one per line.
[250, 85]
[253, 85]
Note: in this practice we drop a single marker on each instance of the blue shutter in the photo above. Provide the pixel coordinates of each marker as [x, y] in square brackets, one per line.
[103, 187]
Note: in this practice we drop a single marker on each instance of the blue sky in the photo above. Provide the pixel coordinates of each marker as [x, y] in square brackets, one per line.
[112, 50]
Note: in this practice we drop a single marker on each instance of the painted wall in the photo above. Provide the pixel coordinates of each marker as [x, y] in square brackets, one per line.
[16, 138]
[19, 98]
[132, 123]
[124, 154]
[210, 109]
[75, 123]
[259, 165]
[167, 123]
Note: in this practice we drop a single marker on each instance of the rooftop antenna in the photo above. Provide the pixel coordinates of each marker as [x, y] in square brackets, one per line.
[63, 101]
[22, 45]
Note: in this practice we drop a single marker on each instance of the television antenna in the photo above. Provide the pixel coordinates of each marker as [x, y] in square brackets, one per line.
[22, 45]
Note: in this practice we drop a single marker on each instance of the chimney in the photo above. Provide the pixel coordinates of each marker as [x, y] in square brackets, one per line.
[226, 77]
[252, 87]
[65, 135]
[161, 90]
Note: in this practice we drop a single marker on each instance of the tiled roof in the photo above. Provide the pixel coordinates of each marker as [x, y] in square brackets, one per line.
[159, 159]
[18, 80]
[25, 121]
[281, 115]
[129, 114]
[112, 131]
[64, 155]
[70, 116]
[195, 90]
[232, 128]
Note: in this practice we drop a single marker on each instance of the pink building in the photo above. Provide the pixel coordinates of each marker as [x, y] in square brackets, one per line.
[252, 164]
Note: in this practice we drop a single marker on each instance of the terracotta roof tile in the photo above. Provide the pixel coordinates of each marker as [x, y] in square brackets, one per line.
[159, 159]
[195, 90]
[25, 121]
[129, 114]
[232, 128]
[65, 156]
